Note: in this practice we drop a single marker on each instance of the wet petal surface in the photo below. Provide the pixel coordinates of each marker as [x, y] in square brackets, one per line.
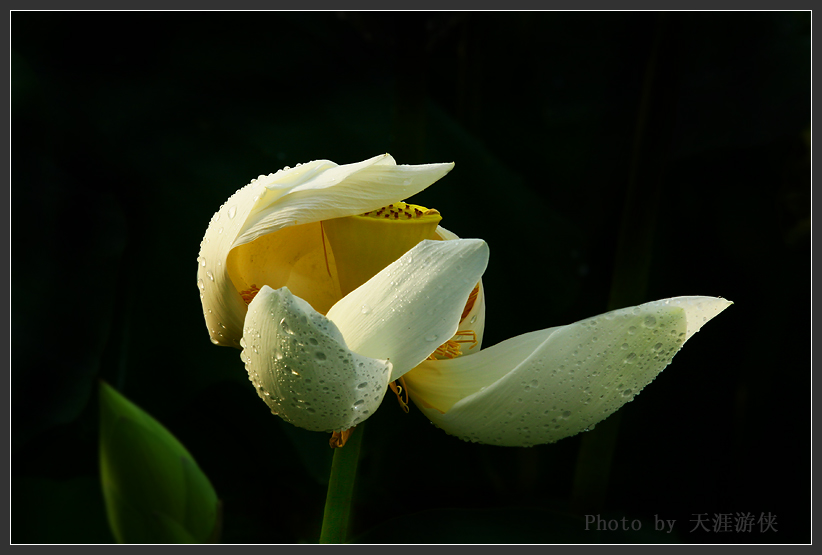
[303, 369]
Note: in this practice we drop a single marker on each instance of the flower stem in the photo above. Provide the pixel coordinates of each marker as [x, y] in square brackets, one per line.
[341, 489]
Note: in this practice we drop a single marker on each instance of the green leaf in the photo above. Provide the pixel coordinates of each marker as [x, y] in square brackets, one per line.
[154, 490]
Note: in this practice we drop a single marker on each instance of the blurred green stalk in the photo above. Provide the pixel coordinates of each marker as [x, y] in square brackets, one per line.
[341, 489]
[634, 244]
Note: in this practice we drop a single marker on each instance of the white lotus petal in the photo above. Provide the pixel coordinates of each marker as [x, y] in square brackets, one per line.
[300, 364]
[414, 305]
[440, 384]
[301, 197]
[547, 385]
[340, 191]
[698, 311]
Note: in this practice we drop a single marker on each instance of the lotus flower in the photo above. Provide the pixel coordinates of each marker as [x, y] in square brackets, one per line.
[336, 291]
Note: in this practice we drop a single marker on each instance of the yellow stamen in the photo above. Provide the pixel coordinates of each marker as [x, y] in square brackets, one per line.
[363, 245]
[453, 347]
[400, 391]
[249, 294]
[472, 298]
[338, 439]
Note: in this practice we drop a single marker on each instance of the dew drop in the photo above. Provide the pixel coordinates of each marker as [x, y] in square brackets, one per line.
[232, 211]
[319, 355]
[363, 385]
[431, 337]
[649, 322]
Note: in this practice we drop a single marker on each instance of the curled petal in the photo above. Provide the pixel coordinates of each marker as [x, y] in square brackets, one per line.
[303, 369]
[550, 384]
[412, 306]
[474, 319]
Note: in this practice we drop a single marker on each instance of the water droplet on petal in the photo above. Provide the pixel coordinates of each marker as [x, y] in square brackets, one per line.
[232, 211]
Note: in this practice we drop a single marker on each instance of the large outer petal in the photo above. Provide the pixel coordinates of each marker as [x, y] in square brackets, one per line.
[546, 385]
[411, 307]
[303, 369]
[305, 194]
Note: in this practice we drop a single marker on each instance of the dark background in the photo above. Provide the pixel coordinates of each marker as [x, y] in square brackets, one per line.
[128, 130]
